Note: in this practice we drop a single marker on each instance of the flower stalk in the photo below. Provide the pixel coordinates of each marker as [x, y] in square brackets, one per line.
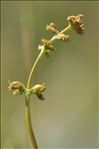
[46, 47]
[29, 125]
[29, 84]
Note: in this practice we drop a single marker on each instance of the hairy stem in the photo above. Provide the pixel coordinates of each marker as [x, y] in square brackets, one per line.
[29, 84]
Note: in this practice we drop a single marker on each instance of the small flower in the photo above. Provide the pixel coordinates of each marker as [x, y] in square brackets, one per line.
[44, 42]
[16, 87]
[49, 48]
[63, 37]
[38, 89]
[52, 27]
[76, 23]
[48, 52]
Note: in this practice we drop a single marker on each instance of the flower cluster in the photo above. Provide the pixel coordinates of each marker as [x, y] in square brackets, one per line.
[48, 48]
[18, 89]
[76, 22]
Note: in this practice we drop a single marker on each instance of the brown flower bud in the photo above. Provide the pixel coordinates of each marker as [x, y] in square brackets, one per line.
[44, 42]
[79, 28]
[40, 96]
[63, 37]
[71, 19]
[50, 47]
[52, 27]
[16, 87]
[80, 18]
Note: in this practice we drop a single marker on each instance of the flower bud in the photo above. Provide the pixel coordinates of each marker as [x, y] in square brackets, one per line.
[71, 20]
[16, 87]
[63, 37]
[49, 48]
[52, 27]
[40, 96]
[48, 52]
[38, 89]
[44, 42]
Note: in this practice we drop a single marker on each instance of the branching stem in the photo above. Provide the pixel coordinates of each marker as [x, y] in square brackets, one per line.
[29, 84]
[46, 47]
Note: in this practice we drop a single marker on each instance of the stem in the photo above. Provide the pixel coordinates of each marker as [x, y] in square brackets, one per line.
[29, 125]
[63, 31]
[33, 69]
[29, 84]
[40, 55]
[27, 104]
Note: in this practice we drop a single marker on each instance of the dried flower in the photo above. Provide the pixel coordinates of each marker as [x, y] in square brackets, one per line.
[16, 87]
[77, 23]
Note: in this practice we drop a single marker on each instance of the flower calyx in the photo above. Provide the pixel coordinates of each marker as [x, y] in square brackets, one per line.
[76, 22]
[52, 27]
[16, 87]
[38, 89]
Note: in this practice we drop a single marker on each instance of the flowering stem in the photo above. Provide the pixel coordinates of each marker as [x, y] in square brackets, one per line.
[29, 125]
[46, 47]
[29, 84]
[27, 104]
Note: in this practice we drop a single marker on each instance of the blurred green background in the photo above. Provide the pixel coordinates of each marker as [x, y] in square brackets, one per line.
[68, 116]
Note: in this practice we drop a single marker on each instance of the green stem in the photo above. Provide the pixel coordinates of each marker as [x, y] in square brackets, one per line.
[27, 104]
[33, 69]
[29, 125]
[29, 84]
